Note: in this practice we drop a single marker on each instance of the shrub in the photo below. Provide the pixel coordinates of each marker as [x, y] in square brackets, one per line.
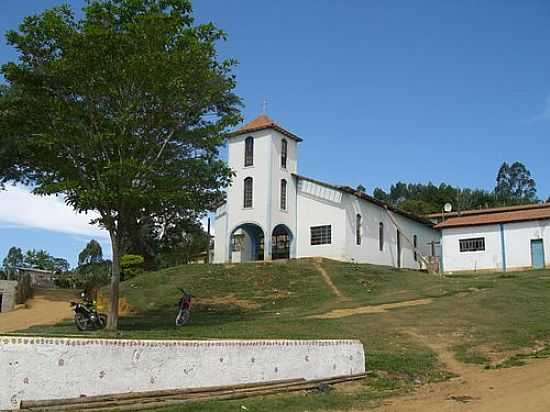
[131, 265]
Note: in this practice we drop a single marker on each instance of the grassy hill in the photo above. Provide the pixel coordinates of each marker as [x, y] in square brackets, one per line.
[471, 314]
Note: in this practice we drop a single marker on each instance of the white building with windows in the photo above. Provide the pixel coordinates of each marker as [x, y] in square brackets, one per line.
[271, 212]
[500, 239]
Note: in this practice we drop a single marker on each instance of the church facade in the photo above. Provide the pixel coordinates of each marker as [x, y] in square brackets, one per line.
[271, 212]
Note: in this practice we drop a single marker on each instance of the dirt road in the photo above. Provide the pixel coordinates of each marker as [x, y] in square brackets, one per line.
[47, 307]
[524, 388]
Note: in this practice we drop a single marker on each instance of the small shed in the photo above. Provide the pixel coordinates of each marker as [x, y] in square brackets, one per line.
[43, 279]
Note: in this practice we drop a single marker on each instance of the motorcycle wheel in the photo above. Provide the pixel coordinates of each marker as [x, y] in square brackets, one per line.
[81, 321]
[101, 321]
[183, 317]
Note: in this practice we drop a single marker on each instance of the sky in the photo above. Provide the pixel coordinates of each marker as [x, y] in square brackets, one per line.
[430, 90]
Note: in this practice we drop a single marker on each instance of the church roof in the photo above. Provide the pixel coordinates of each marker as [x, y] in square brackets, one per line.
[371, 199]
[262, 122]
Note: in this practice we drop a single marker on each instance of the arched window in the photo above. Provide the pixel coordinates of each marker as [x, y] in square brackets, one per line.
[283, 194]
[358, 229]
[247, 202]
[249, 151]
[284, 152]
[381, 236]
[415, 244]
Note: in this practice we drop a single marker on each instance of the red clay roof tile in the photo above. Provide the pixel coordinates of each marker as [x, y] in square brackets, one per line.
[262, 122]
[541, 212]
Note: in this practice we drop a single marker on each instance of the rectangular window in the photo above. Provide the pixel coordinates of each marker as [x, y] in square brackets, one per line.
[321, 235]
[472, 245]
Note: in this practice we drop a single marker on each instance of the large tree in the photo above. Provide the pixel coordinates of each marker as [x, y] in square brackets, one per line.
[92, 253]
[515, 184]
[122, 112]
[12, 261]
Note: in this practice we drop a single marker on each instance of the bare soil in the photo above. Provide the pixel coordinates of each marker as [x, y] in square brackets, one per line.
[228, 300]
[47, 307]
[342, 313]
[326, 277]
[525, 388]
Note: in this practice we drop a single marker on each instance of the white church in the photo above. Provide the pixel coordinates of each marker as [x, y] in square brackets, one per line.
[271, 212]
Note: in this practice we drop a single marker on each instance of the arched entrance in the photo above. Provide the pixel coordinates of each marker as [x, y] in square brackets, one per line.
[246, 243]
[280, 242]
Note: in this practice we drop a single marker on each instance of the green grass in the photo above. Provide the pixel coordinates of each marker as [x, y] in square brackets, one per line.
[470, 312]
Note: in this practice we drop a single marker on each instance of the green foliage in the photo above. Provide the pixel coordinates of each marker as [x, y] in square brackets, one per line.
[90, 276]
[515, 184]
[41, 259]
[91, 254]
[132, 265]
[123, 112]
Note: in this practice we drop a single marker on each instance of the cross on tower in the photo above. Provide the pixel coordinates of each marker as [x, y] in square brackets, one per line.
[264, 106]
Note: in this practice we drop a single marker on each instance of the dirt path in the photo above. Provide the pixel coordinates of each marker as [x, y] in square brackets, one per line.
[45, 308]
[362, 310]
[327, 278]
[524, 388]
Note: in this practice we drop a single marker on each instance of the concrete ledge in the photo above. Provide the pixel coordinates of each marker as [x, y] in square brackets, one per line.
[39, 368]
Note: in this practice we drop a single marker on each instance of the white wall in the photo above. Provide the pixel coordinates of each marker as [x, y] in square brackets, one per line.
[369, 251]
[279, 216]
[518, 238]
[7, 290]
[454, 260]
[35, 368]
[517, 241]
[319, 210]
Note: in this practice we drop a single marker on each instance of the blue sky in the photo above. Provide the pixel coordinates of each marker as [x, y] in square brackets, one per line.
[440, 91]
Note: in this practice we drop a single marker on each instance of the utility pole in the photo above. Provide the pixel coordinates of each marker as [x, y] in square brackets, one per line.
[207, 260]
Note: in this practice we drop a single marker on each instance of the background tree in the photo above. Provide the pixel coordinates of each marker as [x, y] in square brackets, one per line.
[13, 260]
[92, 253]
[515, 184]
[121, 112]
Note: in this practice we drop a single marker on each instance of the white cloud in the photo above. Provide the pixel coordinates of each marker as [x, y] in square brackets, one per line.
[20, 208]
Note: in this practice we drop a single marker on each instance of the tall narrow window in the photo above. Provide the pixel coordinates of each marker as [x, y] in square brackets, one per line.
[283, 194]
[249, 151]
[358, 229]
[381, 236]
[415, 244]
[247, 202]
[284, 152]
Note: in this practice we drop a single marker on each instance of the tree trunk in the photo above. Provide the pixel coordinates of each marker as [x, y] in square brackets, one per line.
[112, 320]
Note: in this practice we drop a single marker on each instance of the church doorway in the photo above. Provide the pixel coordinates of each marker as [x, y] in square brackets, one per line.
[280, 242]
[247, 243]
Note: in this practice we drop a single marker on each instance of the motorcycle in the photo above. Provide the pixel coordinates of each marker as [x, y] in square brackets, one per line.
[86, 316]
[184, 308]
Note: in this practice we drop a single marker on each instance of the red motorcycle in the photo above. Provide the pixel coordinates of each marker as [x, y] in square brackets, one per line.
[184, 311]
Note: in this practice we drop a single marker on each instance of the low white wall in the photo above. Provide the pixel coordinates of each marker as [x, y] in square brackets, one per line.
[35, 368]
[8, 291]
